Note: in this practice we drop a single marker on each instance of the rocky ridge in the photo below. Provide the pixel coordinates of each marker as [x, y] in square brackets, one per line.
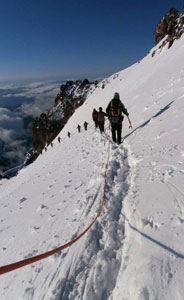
[47, 126]
[169, 28]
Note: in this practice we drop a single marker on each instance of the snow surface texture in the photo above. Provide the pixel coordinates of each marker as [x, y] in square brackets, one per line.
[135, 250]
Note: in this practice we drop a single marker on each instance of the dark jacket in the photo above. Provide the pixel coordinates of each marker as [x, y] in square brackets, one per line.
[95, 115]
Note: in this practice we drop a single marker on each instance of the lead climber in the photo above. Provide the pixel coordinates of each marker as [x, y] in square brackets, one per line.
[114, 110]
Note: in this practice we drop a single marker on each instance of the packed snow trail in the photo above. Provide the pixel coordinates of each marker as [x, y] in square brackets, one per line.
[101, 257]
[153, 251]
[91, 190]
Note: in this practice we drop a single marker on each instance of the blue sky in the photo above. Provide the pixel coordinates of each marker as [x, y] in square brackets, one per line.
[75, 38]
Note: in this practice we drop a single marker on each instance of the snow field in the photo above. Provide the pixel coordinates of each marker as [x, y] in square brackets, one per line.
[44, 200]
[102, 246]
[135, 250]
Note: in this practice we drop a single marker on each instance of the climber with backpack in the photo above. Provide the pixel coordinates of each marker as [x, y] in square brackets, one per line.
[95, 117]
[101, 119]
[114, 110]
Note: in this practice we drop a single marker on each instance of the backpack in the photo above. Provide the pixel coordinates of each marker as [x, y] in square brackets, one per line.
[115, 111]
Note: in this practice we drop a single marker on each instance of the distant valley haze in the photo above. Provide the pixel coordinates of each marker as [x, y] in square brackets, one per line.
[19, 105]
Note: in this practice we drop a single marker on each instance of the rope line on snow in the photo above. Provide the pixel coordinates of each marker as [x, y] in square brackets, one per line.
[28, 261]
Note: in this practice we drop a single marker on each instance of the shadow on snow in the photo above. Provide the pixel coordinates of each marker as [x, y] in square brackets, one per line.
[162, 110]
[165, 247]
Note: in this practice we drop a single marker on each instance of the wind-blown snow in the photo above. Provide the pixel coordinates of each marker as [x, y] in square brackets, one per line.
[135, 250]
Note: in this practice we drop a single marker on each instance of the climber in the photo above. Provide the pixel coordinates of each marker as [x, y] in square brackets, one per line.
[95, 117]
[114, 110]
[85, 125]
[69, 134]
[101, 119]
[79, 128]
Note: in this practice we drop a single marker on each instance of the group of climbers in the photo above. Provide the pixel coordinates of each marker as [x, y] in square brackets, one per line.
[114, 112]
[79, 128]
[85, 126]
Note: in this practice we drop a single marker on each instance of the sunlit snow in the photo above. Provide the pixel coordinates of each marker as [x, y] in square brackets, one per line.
[135, 250]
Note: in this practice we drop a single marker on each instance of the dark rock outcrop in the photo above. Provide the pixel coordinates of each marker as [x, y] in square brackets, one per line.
[47, 126]
[170, 27]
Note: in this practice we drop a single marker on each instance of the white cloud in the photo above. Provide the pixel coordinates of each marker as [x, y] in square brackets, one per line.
[17, 102]
[9, 121]
[33, 98]
[6, 135]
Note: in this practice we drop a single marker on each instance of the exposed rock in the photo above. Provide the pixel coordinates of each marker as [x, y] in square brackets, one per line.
[47, 126]
[170, 27]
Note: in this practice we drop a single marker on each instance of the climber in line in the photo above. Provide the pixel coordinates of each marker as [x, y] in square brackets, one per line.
[79, 128]
[101, 119]
[114, 110]
[95, 117]
[86, 125]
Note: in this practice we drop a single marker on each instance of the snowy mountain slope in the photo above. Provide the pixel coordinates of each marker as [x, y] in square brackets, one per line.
[135, 251]
[54, 202]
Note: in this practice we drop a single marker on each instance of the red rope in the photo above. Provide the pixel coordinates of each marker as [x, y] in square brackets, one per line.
[22, 263]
